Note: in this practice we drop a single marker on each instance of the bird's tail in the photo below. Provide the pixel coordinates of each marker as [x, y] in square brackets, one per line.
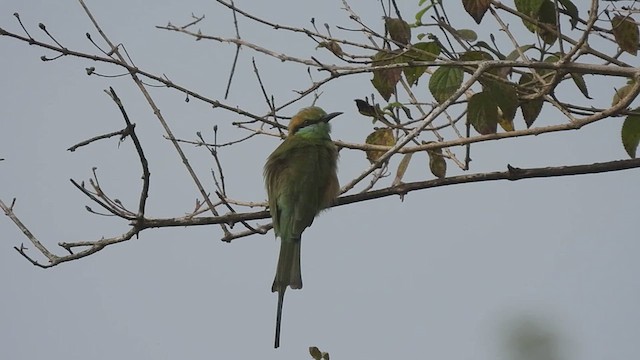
[287, 274]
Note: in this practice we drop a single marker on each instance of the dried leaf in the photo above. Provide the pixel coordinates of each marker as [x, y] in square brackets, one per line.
[398, 29]
[402, 168]
[625, 32]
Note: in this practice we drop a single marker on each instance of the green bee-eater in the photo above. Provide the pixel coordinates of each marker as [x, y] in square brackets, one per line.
[301, 180]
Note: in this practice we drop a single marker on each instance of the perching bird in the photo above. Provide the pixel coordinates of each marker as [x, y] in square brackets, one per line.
[301, 180]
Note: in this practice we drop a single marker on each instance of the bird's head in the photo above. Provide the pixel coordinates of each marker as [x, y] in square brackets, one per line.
[309, 116]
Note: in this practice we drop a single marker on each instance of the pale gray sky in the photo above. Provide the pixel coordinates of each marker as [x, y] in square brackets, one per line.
[447, 274]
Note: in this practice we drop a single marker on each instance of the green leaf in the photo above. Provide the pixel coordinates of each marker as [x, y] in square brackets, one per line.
[515, 54]
[578, 79]
[475, 55]
[482, 113]
[530, 8]
[572, 11]
[504, 95]
[631, 134]
[382, 136]
[397, 105]
[398, 29]
[467, 34]
[547, 73]
[530, 108]
[423, 51]
[476, 8]
[385, 80]
[625, 32]
[547, 15]
[444, 82]
[420, 14]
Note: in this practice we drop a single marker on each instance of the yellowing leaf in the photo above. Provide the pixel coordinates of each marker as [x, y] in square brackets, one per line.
[631, 133]
[622, 92]
[385, 80]
[625, 32]
[437, 164]
[505, 123]
[382, 136]
[444, 82]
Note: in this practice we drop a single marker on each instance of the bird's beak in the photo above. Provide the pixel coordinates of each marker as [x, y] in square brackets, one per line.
[331, 116]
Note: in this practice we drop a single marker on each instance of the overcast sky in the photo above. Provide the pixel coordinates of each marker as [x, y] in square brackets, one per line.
[458, 272]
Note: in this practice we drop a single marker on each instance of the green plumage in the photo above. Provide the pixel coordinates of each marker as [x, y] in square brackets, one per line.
[300, 177]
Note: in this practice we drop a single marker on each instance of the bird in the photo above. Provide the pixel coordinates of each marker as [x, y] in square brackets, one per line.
[301, 180]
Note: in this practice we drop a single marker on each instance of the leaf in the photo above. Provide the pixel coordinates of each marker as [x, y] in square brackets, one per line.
[530, 8]
[504, 94]
[467, 34]
[515, 54]
[505, 123]
[383, 137]
[530, 108]
[315, 353]
[402, 168]
[423, 51]
[325, 355]
[572, 11]
[365, 108]
[622, 92]
[398, 29]
[625, 32]
[546, 73]
[631, 133]
[476, 8]
[385, 80]
[444, 82]
[420, 14]
[476, 55]
[482, 113]
[547, 15]
[397, 105]
[332, 46]
[437, 164]
[578, 79]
